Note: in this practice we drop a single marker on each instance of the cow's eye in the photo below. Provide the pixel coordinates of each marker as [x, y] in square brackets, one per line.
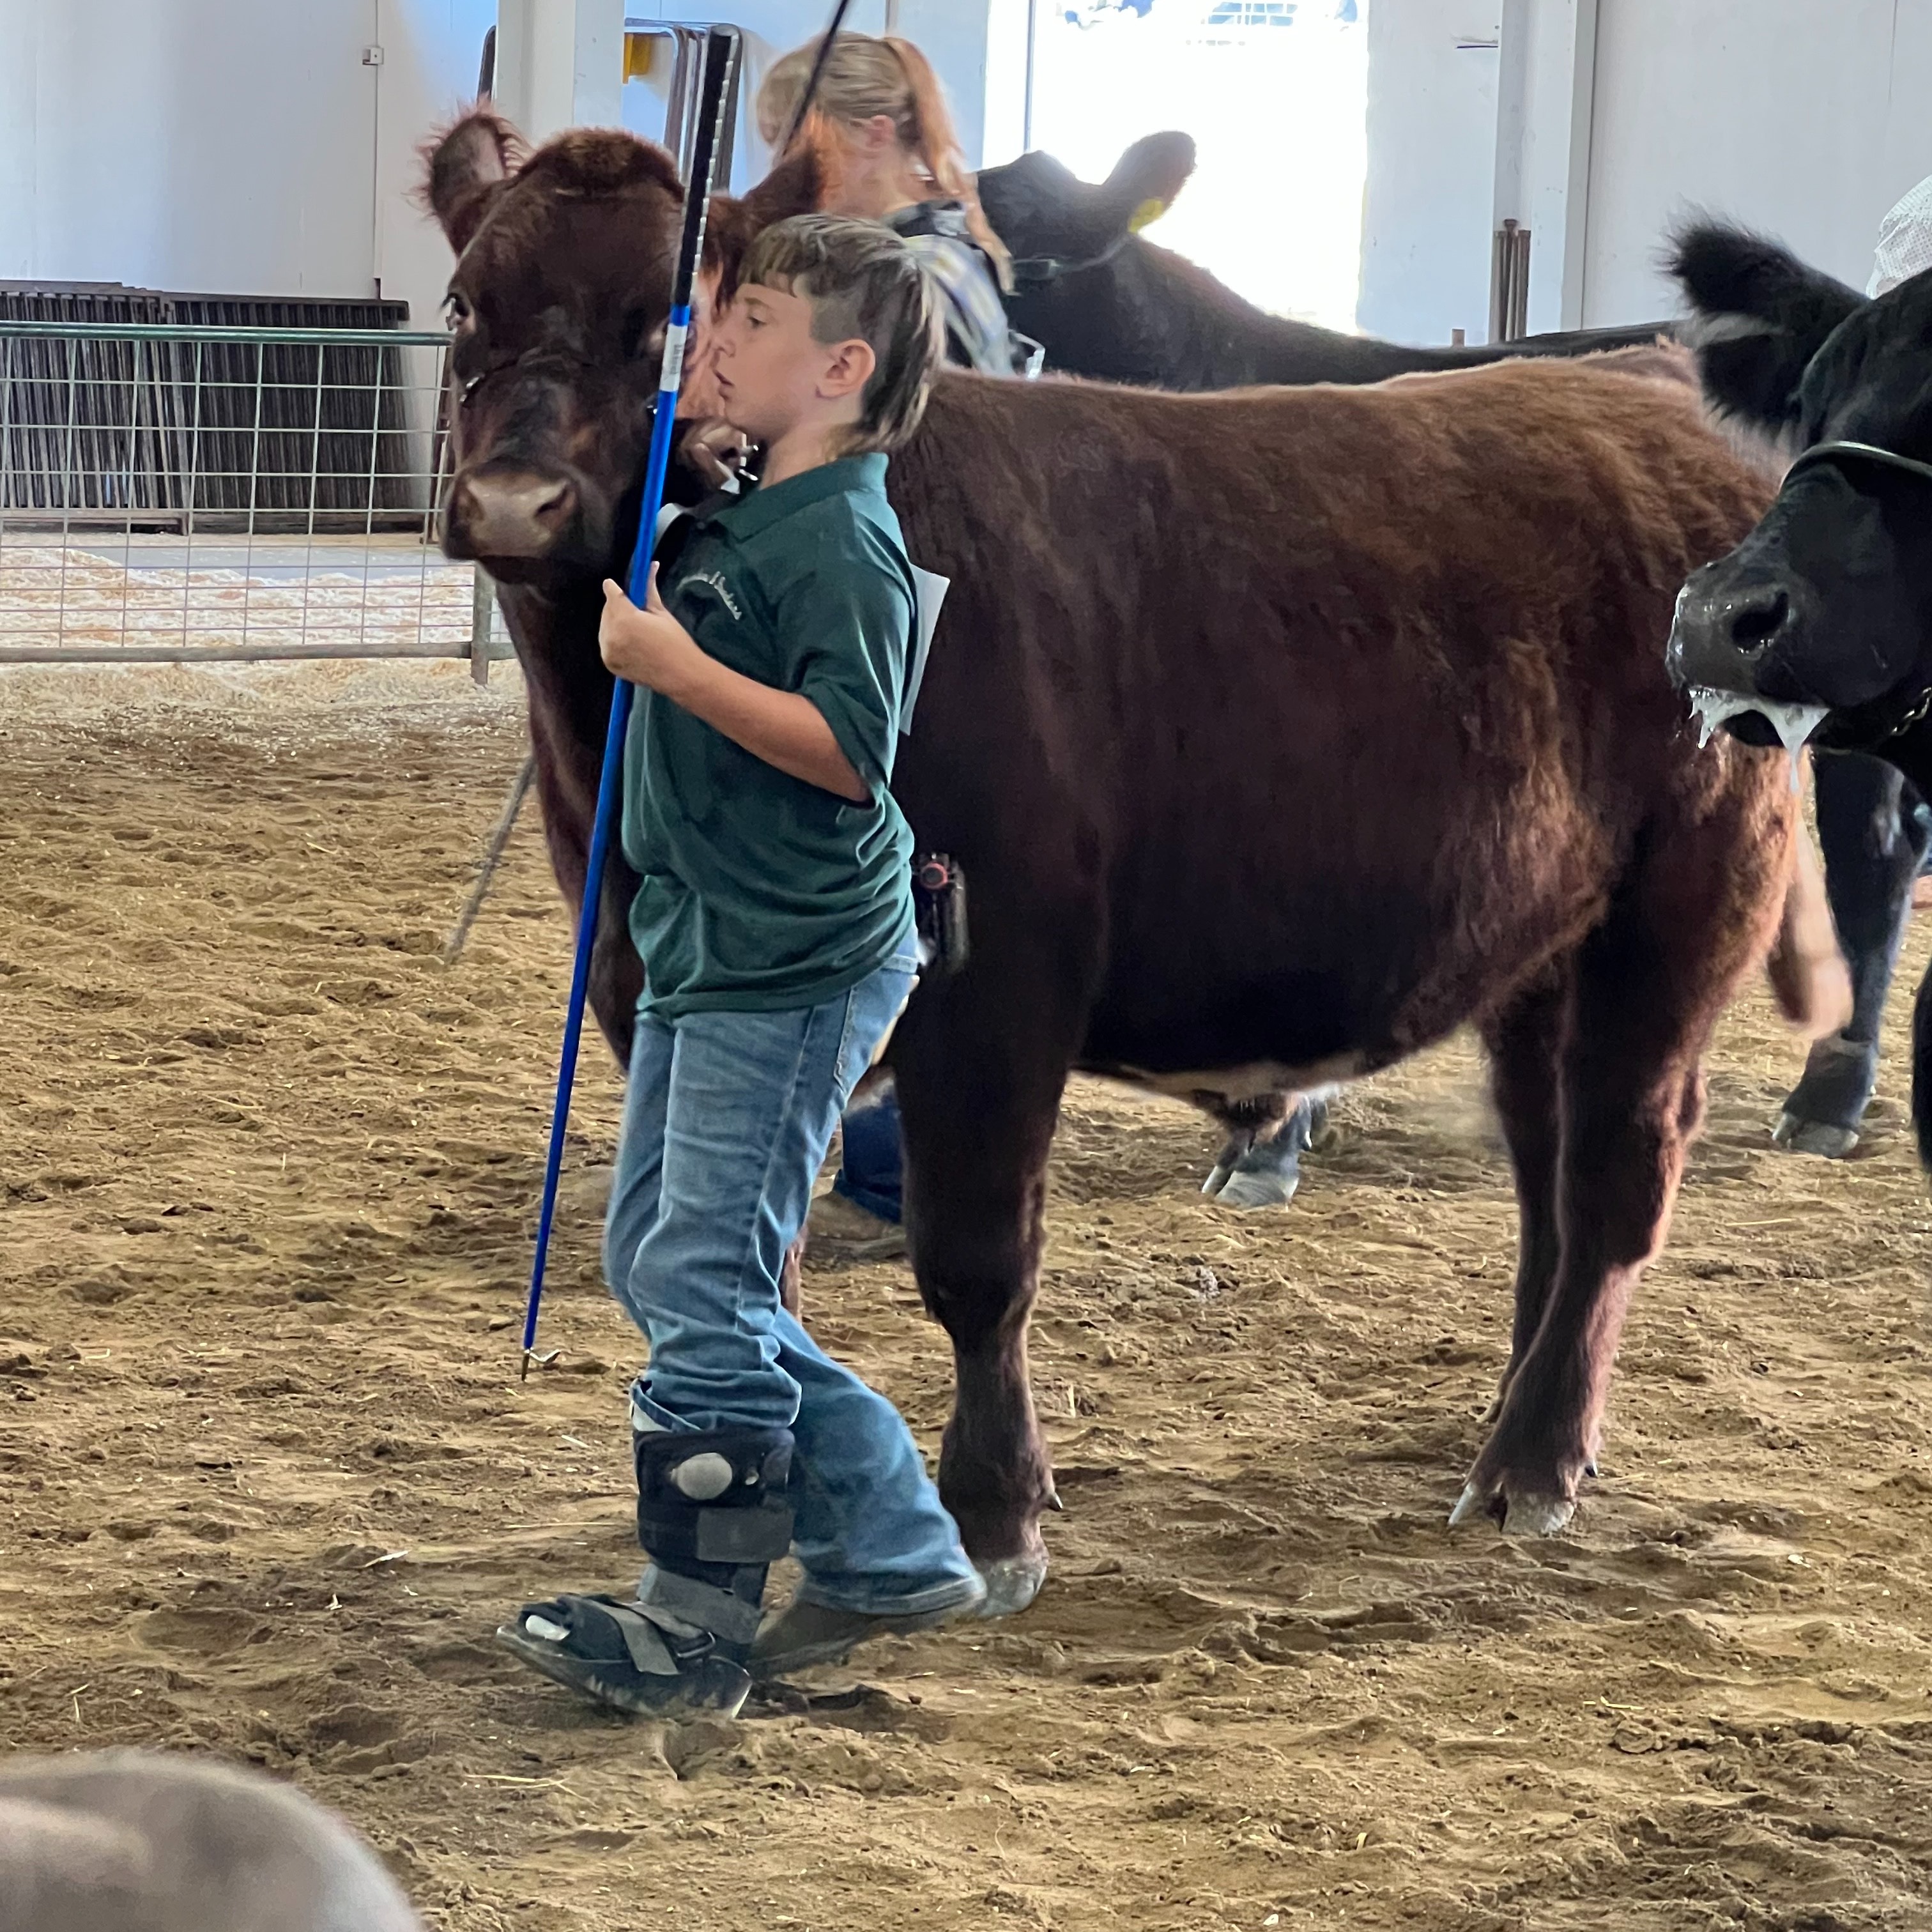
[641, 336]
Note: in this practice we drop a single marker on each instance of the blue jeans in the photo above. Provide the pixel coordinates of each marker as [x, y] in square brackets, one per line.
[872, 1171]
[726, 1118]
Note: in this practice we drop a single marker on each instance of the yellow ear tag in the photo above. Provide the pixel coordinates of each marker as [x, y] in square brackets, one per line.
[1151, 210]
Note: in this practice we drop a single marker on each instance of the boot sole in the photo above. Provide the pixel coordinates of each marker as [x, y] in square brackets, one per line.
[587, 1678]
[835, 1650]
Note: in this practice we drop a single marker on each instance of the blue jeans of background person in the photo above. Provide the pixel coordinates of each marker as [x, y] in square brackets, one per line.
[727, 1118]
[872, 1168]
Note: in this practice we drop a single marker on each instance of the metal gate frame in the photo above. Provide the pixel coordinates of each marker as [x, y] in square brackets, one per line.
[135, 447]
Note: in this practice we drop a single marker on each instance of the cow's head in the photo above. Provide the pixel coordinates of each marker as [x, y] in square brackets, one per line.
[1826, 607]
[1053, 222]
[556, 310]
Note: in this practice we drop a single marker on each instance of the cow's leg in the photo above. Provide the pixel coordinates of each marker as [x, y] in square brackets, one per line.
[1921, 1070]
[1869, 829]
[616, 981]
[978, 1096]
[1524, 1043]
[1647, 988]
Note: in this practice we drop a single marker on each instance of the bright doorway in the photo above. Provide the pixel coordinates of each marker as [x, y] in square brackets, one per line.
[1275, 93]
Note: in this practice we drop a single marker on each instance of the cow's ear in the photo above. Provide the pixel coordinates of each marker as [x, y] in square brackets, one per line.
[1758, 316]
[1148, 176]
[465, 168]
[794, 187]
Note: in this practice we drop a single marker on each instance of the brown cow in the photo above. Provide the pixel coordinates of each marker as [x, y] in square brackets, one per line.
[1432, 613]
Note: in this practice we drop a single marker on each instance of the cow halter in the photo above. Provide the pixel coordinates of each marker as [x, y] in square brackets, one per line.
[467, 386]
[1826, 452]
[1033, 272]
[1890, 459]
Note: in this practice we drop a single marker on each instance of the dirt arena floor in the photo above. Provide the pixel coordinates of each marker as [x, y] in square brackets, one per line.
[268, 1175]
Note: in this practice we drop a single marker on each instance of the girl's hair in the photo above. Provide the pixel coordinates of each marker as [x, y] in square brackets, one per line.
[862, 281]
[863, 76]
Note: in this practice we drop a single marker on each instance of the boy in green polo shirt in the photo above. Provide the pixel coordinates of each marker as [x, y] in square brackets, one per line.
[774, 919]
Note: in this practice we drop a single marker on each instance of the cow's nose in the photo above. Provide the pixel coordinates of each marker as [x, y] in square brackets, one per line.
[1723, 628]
[1755, 619]
[512, 513]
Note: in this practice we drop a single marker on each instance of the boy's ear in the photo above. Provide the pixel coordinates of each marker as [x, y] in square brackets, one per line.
[850, 368]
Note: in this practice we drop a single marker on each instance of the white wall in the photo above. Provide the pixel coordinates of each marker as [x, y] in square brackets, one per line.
[1599, 123]
[559, 63]
[431, 50]
[220, 147]
[243, 147]
[1807, 119]
[149, 141]
[1544, 100]
[1428, 209]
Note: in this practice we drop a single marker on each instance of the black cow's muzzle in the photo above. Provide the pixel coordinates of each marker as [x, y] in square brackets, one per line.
[1731, 644]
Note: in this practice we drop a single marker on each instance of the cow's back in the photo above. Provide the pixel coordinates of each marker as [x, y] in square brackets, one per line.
[1382, 647]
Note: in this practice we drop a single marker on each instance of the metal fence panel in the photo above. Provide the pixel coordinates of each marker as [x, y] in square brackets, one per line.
[180, 493]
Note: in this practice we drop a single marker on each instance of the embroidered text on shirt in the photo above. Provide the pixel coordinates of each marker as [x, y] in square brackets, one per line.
[712, 580]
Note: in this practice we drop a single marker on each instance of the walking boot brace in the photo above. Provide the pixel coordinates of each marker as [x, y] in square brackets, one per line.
[714, 1513]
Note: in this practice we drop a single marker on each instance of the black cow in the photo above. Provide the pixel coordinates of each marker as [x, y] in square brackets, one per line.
[1828, 602]
[1105, 301]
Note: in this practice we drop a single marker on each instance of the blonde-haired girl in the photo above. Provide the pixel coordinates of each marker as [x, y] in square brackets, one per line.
[880, 124]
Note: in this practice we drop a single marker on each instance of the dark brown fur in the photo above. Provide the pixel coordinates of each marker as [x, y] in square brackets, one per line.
[1281, 726]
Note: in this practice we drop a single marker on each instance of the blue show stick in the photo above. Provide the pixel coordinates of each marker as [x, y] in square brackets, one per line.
[721, 51]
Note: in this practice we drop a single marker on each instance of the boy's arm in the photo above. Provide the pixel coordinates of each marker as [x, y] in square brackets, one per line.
[783, 728]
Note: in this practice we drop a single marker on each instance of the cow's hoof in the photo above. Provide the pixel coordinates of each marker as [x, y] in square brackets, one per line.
[1261, 1189]
[1813, 1137]
[1822, 1113]
[1012, 1583]
[1528, 1514]
[1538, 1516]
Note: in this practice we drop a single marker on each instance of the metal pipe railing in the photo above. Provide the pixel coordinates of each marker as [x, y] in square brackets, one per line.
[219, 494]
[1509, 283]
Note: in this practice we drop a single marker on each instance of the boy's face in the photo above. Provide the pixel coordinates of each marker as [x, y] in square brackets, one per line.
[773, 374]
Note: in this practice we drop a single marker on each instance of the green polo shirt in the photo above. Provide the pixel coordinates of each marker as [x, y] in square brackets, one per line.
[760, 891]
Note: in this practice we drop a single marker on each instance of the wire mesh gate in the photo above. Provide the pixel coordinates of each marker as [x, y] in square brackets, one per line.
[185, 495]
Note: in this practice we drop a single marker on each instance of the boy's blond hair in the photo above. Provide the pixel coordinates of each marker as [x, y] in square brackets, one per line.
[863, 283]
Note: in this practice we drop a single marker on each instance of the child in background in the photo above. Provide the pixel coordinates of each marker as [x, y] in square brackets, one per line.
[879, 121]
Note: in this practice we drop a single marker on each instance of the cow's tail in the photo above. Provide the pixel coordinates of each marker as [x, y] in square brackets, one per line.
[1808, 970]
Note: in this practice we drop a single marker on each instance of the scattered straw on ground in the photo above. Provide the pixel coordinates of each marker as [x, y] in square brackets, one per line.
[269, 1171]
[377, 597]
